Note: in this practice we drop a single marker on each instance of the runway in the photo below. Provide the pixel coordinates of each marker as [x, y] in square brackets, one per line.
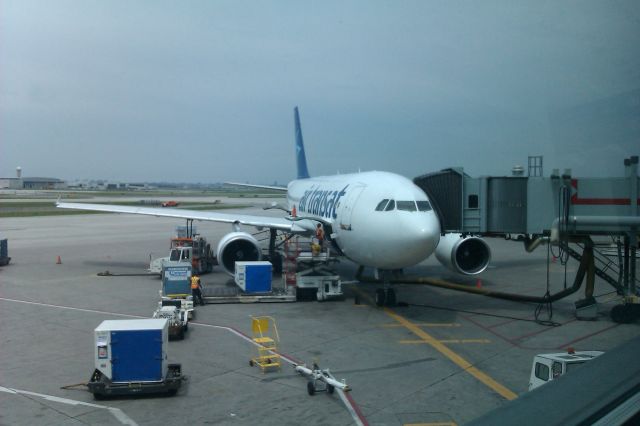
[445, 358]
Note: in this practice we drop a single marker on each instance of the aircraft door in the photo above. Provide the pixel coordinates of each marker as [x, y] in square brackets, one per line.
[345, 207]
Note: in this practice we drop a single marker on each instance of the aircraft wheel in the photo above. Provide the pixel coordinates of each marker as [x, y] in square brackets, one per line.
[311, 388]
[330, 389]
[380, 297]
[621, 314]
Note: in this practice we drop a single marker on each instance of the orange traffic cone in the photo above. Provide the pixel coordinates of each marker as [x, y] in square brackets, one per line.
[58, 261]
[479, 283]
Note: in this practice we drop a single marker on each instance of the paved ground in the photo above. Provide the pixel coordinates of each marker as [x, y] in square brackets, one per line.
[446, 358]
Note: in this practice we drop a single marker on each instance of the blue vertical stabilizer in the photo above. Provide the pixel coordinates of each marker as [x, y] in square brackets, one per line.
[301, 158]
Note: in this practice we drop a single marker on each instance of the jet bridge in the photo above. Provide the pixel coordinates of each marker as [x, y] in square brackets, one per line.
[560, 208]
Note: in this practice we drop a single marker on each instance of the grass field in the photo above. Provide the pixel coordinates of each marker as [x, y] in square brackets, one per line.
[42, 203]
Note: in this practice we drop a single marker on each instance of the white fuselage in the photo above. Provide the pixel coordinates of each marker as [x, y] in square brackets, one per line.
[399, 233]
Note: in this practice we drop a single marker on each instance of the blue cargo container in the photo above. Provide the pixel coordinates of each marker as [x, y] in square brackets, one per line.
[253, 277]
[132, 350]
[131, 357]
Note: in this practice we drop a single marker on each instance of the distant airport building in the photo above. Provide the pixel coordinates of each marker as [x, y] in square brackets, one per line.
[38, 183]
[43, 183]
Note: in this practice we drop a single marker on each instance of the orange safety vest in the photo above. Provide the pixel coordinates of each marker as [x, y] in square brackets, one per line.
[195, 283]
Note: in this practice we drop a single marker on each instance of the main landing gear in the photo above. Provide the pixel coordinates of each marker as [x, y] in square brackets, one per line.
[385, 297]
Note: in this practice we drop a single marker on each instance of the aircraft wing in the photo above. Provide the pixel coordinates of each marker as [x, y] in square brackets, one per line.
[250, 185]
[279, 223]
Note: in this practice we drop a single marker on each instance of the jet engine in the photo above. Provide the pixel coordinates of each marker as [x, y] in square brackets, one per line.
[465, 255]
[237, 246]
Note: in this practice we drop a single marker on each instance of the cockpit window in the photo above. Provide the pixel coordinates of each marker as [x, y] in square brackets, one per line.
[382, 204]
[390, 206]
[424, 206]
[409, 206]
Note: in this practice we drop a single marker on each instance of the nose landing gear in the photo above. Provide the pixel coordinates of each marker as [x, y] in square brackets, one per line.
[385, 297]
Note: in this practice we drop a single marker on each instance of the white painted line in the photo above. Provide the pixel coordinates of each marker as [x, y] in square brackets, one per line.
[351, 406]
[116, 412]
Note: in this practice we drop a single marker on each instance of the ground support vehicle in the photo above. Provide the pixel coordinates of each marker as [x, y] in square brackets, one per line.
[320, 380]
[178, 318]
[131, 358]
[548, 367]
[314, 279]
[4, 252]
[176, 289]
[186, 248]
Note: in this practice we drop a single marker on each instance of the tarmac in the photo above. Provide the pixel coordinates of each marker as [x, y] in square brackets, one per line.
[445, 358]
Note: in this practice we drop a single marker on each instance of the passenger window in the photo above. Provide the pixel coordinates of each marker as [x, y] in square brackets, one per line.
[390, 206]
[409, 206]
[382, 205]
[423, 206]
[542, 371]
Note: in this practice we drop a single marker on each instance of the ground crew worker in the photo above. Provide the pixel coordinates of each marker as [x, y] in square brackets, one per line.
[196, 290]
[320, 235]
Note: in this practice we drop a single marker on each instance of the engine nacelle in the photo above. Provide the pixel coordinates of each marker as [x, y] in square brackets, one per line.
[469, 255]
[237, 246]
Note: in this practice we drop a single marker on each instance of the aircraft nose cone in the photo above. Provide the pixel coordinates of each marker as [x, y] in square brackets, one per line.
[420, 238]
[427, 235]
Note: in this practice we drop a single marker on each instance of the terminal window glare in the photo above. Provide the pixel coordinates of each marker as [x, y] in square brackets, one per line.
[409, 206]
[542, 371]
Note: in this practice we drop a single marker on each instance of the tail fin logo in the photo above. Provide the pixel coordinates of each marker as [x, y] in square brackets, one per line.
[301, 159]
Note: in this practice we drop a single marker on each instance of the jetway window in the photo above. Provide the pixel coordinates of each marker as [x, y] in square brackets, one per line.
[390, 206]
[472, 201]
[423, 206]
[409, 206]
[382, 204]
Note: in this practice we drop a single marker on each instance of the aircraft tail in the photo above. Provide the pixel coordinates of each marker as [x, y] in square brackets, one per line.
[301, 159]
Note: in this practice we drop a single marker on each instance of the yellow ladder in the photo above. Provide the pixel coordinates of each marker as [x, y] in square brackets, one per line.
[265, 335]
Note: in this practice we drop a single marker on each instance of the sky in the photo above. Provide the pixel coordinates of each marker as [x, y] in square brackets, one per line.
[204, 91]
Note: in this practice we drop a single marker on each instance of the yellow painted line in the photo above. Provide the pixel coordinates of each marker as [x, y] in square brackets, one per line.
[454, 357]
[417, 342]
[425, 324]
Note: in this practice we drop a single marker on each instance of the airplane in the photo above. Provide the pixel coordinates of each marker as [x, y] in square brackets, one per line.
[376, 219]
